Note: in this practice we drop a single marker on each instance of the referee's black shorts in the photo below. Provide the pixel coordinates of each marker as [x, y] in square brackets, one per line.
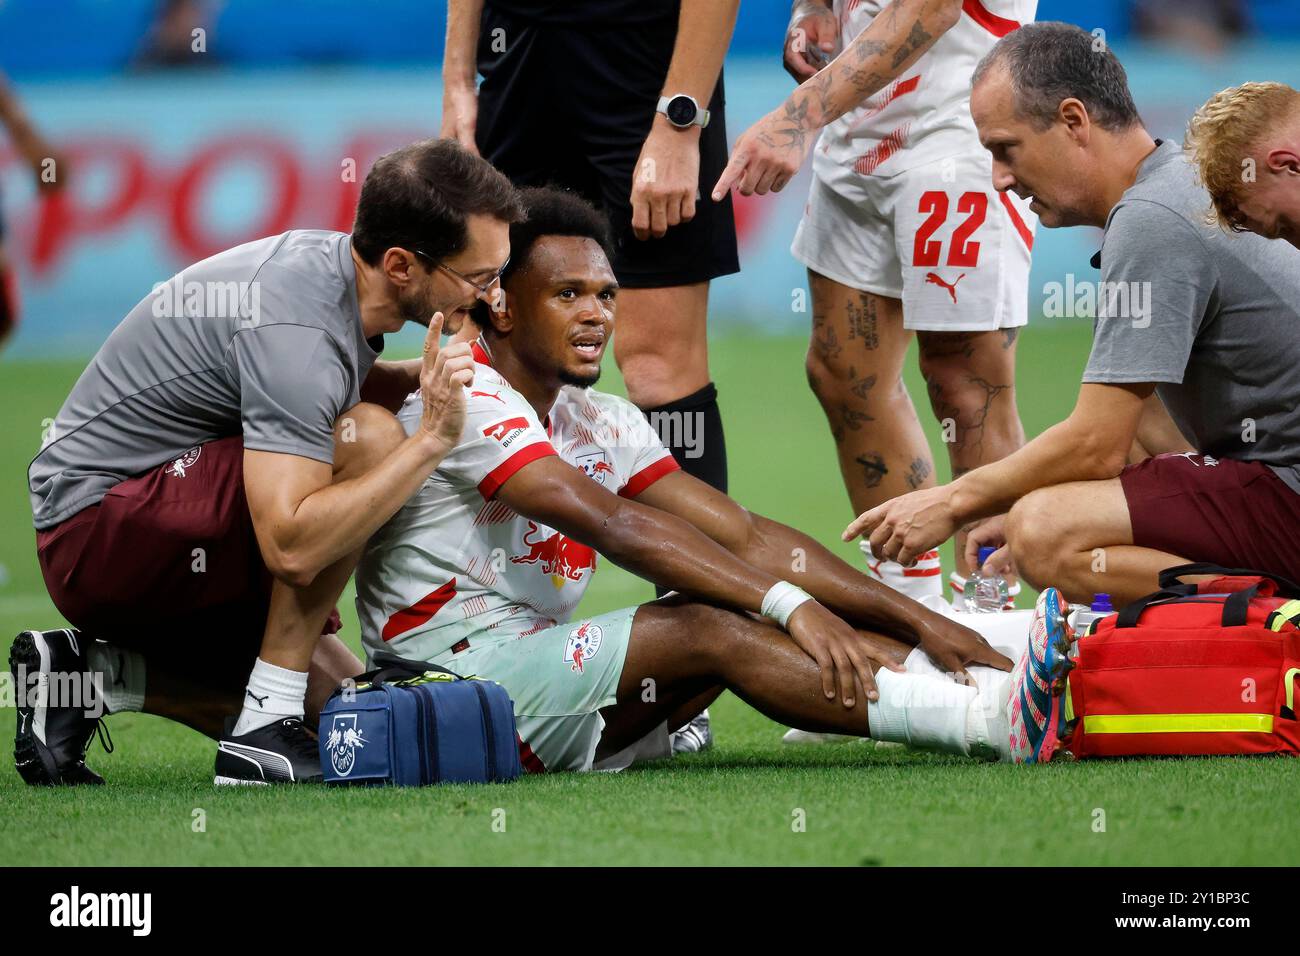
[571, 106]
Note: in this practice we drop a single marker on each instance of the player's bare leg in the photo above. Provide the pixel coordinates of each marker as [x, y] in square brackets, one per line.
[1078, 537]
[691, 649]
[971, 380]
[661, 342]
[661, 345]
[855, 367]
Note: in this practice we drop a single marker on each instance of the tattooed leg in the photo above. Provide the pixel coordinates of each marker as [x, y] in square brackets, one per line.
[970, 377]
[855, 367]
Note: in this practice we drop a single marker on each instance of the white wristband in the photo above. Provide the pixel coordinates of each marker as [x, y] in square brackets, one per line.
[781, 600]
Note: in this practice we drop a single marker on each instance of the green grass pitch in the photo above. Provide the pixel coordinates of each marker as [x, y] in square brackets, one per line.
[750, 800]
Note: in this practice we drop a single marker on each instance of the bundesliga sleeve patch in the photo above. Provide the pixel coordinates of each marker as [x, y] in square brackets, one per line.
[507, 432]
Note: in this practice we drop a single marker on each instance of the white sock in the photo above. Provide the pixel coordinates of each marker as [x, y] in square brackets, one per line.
[987, 723]
[273, 693]
[921, 580]
[119, 676]
[921, 710]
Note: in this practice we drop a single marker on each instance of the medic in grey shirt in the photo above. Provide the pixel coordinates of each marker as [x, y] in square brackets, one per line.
[206, 489]
[1192, 319]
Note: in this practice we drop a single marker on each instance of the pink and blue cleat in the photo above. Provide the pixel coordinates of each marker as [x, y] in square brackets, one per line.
[1036, 709]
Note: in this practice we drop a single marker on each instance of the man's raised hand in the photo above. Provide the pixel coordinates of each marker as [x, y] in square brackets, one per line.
[906, 527]
[813, 28]
[445, 373]
[990, 533]
[767, 155]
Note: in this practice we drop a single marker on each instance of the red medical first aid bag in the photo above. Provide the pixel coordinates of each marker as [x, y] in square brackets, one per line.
[1204, 668]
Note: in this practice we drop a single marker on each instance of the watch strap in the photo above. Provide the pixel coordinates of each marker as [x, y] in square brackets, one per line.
[701, 115]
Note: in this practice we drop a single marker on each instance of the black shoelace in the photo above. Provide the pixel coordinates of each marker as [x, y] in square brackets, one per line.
[302, 740]
[105, 738]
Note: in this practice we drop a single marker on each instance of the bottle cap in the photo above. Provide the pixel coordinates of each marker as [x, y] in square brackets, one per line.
[1101, 602]
[985, 554]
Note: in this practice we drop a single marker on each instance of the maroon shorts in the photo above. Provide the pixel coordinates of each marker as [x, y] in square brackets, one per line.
[167, 561]
[1234, 513]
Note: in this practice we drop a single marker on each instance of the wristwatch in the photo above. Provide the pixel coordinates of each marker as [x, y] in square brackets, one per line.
[682, 111]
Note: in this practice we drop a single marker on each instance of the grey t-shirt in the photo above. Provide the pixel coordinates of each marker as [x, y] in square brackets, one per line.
[1208, 315]
[263, 339]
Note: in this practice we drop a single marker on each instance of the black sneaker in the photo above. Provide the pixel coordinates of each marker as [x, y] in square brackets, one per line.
[52, 735]
[281, 752]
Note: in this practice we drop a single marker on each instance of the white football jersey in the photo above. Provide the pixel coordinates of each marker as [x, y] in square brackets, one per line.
[454, 561]
[925, 114]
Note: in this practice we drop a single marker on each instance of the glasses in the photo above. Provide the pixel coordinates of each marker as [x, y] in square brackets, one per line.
[483, 289]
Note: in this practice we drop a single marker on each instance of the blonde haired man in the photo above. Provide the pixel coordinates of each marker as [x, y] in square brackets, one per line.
[1245, 143]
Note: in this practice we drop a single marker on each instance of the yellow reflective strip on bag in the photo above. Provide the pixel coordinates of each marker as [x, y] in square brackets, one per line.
[1178, 723]
[1287, 613]
[1288, 682]
[1069, 702]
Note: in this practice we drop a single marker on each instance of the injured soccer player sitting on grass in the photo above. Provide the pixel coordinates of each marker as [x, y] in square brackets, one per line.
[481, 571]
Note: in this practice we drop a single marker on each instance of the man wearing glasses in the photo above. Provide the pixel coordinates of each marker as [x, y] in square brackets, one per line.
[205, 491]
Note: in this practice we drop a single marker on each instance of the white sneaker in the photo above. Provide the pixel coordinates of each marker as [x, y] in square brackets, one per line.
[694, 737]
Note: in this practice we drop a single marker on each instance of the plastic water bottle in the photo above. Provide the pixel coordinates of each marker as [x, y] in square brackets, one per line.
[985, 594]
[1084, 616]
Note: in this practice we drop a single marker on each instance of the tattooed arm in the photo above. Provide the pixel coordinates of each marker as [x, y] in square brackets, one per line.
[771, 151]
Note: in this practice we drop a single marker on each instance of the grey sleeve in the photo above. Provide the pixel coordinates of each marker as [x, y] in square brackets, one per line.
[293, 386]
[1157, 282]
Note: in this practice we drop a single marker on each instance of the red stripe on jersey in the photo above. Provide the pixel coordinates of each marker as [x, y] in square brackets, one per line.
[502, 473]
[648, 475]
[480, 354]
[419, 612]
[998, 26]
[877, 103]
[899, 88]
[872, 158]
[532, 763]
[1017, 221]
[494, 512]
[921, 572]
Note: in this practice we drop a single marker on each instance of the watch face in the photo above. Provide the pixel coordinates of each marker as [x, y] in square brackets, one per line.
[681, 111]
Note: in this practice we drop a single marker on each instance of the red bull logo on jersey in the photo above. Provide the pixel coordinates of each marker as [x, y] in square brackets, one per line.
[559, 556]
[342, 743]
[595, 466]
[582, 645]
[508, 431]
